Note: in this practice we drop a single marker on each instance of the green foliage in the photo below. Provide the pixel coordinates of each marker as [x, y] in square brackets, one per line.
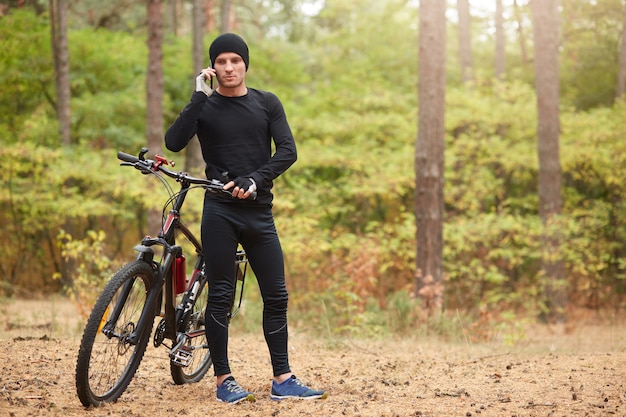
[492, 260]
[491, 140]
[594, 177]
[275, 59]
[179, 76]
[345, 209]
[92, 267]
[46, 189]
[591, 33]
[108, 84]
[25, 72]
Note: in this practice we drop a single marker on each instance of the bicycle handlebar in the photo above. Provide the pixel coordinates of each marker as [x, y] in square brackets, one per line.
[148, 166]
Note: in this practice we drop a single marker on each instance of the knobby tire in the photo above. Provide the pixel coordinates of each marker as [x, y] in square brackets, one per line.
[106, 365]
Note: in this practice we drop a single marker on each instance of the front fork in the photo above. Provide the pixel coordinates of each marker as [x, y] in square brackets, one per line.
[152, 306]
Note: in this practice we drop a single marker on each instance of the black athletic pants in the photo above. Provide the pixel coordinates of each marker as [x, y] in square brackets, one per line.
[224, 225]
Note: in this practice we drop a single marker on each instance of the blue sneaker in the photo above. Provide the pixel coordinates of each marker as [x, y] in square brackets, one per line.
[231, 392]
[293, 388]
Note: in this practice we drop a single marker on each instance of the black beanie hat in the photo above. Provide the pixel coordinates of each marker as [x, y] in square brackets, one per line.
[229, 42]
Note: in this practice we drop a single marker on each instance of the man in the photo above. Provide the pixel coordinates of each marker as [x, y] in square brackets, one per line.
[235, 125]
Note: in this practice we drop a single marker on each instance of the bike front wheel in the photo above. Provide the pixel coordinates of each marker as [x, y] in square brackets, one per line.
[108, 357]
[196, 349]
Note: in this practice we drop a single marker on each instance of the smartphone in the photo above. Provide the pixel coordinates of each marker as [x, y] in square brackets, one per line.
[211, 78]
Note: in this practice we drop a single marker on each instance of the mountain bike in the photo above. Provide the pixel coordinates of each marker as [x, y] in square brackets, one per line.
[153, 285]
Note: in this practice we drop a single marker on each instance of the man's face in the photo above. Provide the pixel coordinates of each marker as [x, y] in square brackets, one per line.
[230, 69]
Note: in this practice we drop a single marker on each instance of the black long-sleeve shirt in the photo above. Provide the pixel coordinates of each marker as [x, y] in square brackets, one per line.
[235, 135]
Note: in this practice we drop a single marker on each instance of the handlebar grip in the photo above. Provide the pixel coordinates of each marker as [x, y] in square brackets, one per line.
[126, 157]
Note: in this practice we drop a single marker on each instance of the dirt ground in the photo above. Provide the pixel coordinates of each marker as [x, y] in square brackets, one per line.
[581, 372]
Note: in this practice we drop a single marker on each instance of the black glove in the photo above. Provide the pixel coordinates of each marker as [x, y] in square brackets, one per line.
[245, 183]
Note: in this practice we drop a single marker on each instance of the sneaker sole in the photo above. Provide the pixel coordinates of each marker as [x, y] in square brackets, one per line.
[286, 397]
[250, 398]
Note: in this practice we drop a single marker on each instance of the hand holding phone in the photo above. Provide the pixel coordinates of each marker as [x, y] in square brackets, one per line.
[201, 82]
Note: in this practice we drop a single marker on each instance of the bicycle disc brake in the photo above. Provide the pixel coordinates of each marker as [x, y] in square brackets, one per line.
[159, 334]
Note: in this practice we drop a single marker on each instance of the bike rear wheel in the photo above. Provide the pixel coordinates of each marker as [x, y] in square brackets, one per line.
[196, 344]
[107, 362]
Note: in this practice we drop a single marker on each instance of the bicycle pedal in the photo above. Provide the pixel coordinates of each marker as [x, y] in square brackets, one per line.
[181, 357]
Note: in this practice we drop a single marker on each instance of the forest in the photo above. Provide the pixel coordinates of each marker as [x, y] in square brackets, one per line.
[347, 74]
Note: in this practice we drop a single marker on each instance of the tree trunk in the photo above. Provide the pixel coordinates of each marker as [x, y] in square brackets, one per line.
[209, 16]
[520, 32]
[621, 71]
[154, 94]
[429, 153]
[499, 61]
[546, 27]
[58, 28]
[197, 24]
[225, 17]
[194, 163]
[174, 13]
[465, 41]
[58, 35]
[154, 80]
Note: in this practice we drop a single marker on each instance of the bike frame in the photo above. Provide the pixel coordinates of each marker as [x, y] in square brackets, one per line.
[154, 284]
[163, 271]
